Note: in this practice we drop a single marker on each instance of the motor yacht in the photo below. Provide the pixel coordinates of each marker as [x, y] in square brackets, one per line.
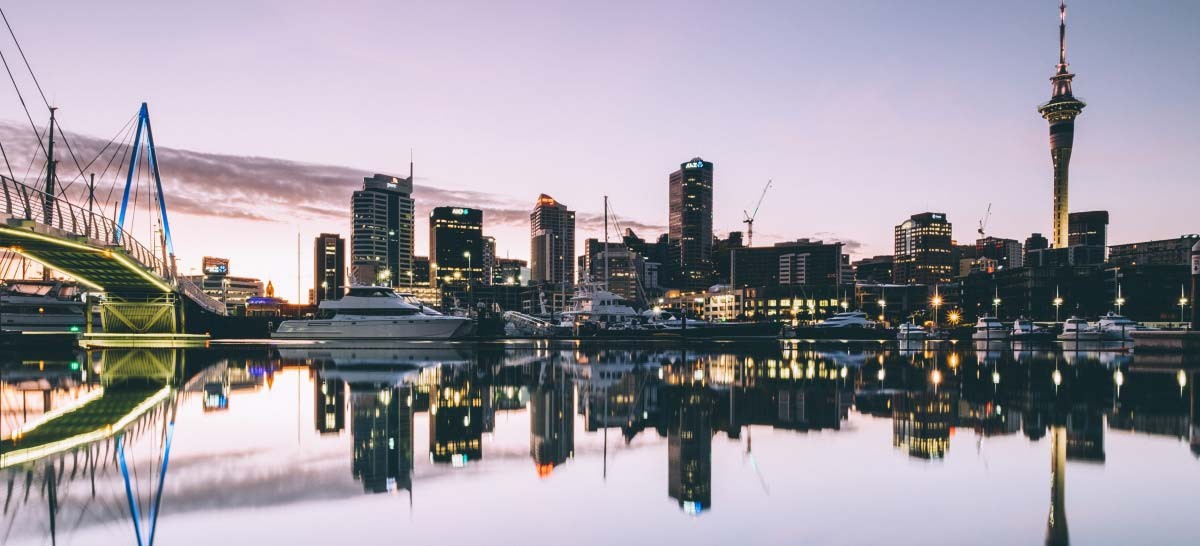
[1118, 328]
[910, 332]
[850, 319]
[594, 304]
[990, 329]
[1025, 330]
[41, 306]
[374, 312]
[1077, 329]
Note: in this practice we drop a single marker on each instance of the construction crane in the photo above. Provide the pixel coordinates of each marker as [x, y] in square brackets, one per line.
[984, 222]
[749, 221]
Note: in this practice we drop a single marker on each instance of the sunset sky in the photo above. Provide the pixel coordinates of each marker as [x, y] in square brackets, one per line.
[270, 113]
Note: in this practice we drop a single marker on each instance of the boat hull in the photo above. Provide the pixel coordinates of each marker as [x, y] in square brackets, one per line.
[444, 327]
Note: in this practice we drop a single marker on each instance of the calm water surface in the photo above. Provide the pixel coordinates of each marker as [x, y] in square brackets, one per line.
[607, 444]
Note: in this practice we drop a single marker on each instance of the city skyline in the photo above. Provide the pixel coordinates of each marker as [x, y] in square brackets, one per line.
[1118, 142]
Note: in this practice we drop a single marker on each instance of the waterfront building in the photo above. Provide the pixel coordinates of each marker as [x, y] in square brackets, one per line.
[420, 271]
[923, 250]
[780, 302]
[381, 246]
[1005, 253]
[1149, 292]
[625, 268]
[1060, 112]
[877, 269]
[329, 267]
[218, 283]
[1175, 251]
[1088, 228]
[722, 256]
[552, 242]
[489, 259]
[511, 271]
[456, 245]
[1034, 242]
[690, 222]
[796, 263]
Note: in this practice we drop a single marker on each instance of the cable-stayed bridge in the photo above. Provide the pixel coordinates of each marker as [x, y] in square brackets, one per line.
[140, 291]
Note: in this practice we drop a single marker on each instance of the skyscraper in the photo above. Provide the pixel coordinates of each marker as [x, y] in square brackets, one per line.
[382, 244]
[329, 267]
[552, 242]
[924, 250]
[1088, 228]
[489, 259]
[691, 214]
[455, 244]
[1061, 111]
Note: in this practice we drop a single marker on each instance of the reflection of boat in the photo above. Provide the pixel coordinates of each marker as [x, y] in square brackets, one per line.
[1118, 328]
[374, 312]
[910, 332]
[850, 319]
[989, 329]
[38, 306]
[1077, 329]
[398, 356]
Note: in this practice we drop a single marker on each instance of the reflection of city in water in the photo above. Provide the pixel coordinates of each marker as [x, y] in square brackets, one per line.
[685, 402]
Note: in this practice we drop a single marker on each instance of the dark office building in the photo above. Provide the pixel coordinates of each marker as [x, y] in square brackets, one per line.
[722, 256]
[1162, 252]
[382, 243]
[924, 250]
[1037, 241]
[691, 214]
[1088, 229]
[795, 263]
[625, 271]
[489, 259]
[456, 245]
[511, 271]
[877, 270]
[420, 270]
[329, 267]
[551, 242]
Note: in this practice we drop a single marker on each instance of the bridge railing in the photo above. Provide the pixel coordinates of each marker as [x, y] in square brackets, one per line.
[22, 201]
[197, 295]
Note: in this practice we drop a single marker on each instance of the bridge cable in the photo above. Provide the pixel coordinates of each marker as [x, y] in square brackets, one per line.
[38, 84]
[7, 164]
[121, 131]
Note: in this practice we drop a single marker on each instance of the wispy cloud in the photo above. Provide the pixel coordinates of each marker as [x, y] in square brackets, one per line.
[255, 188]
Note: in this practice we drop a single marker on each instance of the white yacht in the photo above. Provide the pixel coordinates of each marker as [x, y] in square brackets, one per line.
[1118, 328]
[1077, 329]
[1025, 330]
[374, 312]
[910, 332]
[850, 319]
[41, 306]
[592, 303]
[989, 329]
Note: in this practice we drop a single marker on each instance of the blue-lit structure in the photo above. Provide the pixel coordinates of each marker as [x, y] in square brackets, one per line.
[152, 157]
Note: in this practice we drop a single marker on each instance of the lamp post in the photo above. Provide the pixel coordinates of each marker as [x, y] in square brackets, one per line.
[936, 302]
[883, 309]
[325, 289]
[467, 255]
[1058, 301]
[845, 306]
[996, 307]
[1183, 301]
[1120, 300]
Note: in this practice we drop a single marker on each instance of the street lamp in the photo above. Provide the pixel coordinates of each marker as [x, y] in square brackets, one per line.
[845, 306]
[1183, 301]
[1058, 301]
[937, 302]
[325, 288]
[996, 307]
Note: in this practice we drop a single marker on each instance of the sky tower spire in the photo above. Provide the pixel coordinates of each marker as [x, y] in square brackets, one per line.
[1061, 111]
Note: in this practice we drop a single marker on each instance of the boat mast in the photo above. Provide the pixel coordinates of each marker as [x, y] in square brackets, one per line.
[606, 242]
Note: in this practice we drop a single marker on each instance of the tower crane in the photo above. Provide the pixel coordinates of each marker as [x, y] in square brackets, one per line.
[984, 222]
[749, 221]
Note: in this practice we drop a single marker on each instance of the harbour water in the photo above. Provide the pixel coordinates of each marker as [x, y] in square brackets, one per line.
[603, 443]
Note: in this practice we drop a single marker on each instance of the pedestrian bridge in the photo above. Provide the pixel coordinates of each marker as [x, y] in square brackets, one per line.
[141, 293]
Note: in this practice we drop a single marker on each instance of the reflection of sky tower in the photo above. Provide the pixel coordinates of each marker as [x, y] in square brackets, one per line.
[1061, 112]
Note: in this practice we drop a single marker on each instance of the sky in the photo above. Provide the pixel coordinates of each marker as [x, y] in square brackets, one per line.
[862, 113]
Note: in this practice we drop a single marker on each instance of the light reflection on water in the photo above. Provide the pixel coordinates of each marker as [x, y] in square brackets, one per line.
[836, 443]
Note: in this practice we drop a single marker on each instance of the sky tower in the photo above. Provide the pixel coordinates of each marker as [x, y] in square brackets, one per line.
[1061, 112]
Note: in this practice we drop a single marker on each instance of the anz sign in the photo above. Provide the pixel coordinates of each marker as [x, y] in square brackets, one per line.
[694, 165]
